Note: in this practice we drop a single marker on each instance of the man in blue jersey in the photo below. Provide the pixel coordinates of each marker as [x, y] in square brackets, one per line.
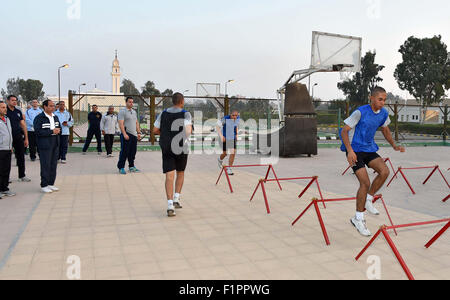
[227, 128]
[362, 150]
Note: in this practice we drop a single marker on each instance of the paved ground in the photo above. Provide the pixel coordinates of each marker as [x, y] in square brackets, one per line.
[117, 224]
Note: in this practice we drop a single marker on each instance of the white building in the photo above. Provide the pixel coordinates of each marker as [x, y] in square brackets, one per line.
[411, 113]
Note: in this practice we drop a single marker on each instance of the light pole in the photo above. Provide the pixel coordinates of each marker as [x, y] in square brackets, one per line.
[316, 84]
[226, 86]
[59, 80]
[79, 88]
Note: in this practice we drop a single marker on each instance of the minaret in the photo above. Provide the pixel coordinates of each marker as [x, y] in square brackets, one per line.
[115, 76]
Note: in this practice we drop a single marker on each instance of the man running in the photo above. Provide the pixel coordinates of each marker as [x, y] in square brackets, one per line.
[174, 126]
[227, 128]
[362, 151]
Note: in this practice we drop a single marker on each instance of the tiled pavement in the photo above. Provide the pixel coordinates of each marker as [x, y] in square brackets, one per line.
[118, 227]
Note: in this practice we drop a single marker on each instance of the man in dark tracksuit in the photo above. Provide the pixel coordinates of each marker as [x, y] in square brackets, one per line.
[94, 119]
[48, 129]
[20, 135]
[174, 126]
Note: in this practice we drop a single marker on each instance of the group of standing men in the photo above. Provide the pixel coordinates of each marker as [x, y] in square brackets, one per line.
[47, 129]
[43, 130]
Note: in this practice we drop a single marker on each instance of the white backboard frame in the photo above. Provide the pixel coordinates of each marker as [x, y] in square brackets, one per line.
[329, 49]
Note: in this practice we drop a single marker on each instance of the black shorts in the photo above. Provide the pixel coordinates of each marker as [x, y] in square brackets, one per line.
[229, 144]
[364, 158]
[173, 162]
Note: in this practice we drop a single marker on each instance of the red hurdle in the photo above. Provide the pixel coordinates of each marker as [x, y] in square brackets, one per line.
[446, 198]
[385, 160]
[262, 183]
[400, 170]
[384, 230]
[225, 168]
[315, 201]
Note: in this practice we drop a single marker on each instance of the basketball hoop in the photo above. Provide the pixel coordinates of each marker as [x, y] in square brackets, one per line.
[345, 75]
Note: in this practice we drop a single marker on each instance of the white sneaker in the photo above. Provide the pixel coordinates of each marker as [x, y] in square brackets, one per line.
[171, 211]
[53, 188]
[220, 163]
[47, 190]
[176, 203]
[371, 209]
[63, 161]
[361, 226]
[230, 172]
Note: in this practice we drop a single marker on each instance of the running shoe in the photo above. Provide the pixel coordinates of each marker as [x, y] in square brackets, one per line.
[360, 226]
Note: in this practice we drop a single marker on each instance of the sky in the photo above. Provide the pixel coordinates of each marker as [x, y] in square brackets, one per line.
[178, 43]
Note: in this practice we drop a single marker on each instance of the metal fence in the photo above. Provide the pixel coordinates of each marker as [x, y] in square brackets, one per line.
[204, 110]
[409, 122]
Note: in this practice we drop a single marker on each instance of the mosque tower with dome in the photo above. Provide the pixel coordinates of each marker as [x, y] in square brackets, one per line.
[116, 76]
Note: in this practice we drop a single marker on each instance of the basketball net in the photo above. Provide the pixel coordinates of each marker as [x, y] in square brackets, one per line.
[345, 75]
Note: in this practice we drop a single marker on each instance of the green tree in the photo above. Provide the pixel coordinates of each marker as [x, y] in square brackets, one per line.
[391, 98]
[167, 100]
[128, 88]
[28, 90]
[357, 89]
[31, 90]
[425, 70]
[149, 89]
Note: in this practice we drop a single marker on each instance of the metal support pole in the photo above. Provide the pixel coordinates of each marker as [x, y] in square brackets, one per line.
[445, 124]
[347, 109]
[226, 105]
[152, 119]
[396, 121]
[71, 113]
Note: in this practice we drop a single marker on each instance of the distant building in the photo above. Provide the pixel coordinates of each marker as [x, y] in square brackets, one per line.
[411, 114]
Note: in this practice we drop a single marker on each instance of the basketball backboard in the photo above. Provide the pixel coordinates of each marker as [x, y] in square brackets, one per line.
[208, 89]
[212, 90]
[335, 53]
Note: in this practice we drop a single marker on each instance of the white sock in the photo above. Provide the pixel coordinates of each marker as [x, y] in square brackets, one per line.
[170, 202]
[177, 197]
[369, 198]
[359, 216]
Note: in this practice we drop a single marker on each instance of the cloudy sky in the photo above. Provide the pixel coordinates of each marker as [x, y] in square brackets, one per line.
[177, 43]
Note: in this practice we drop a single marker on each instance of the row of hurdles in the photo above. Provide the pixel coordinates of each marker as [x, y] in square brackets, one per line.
[401, 170]
[384, 230]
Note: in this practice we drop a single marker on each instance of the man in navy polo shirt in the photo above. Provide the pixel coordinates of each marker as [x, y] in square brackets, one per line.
[362, 150]
[20, 135]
